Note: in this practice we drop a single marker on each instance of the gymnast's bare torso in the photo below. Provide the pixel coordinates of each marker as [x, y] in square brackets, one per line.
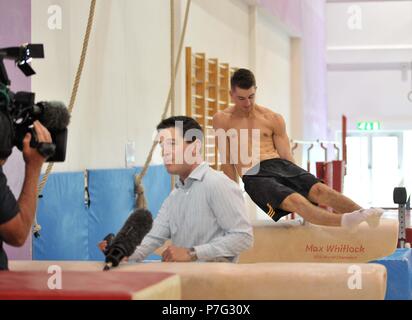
[253, 135]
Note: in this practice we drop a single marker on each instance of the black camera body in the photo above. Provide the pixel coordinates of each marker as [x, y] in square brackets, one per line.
[19, 109]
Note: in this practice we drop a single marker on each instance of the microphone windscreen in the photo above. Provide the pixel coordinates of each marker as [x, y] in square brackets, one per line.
[55, 115]
[134, 230]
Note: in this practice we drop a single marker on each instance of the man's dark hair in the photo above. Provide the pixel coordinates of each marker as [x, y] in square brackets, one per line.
[189, 124]
[243, 79]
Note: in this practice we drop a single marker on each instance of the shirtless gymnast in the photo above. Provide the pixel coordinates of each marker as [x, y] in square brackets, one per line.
[273, 181]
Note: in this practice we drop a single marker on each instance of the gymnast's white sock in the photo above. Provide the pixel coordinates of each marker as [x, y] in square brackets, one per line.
[372, 216]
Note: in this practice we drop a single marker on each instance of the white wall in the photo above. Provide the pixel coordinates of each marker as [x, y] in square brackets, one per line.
[370, 76]
[383, 23]
[228, 37]
[220, 29]
[370, 96]
[273, 66]
[127, 73]
[125, 79]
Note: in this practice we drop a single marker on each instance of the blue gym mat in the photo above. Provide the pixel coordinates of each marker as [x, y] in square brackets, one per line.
[71, 229]
[399, 270]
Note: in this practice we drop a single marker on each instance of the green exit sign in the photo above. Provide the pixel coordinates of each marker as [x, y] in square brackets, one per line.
[369, 125]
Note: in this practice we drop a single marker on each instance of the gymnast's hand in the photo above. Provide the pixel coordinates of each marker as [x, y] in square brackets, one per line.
[176, 254]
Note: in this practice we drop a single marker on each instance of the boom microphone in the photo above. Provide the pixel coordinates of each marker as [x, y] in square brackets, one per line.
[129, 237]
[56, 118]
[53, 115]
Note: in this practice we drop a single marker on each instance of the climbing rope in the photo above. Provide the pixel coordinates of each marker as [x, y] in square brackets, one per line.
[140, 199]
[37, 227]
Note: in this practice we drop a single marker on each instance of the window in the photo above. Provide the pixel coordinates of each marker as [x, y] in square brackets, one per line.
[374, 167]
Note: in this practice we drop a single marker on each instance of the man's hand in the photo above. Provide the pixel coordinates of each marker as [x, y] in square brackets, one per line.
[31, 156]
[103, 245]
[176, 254]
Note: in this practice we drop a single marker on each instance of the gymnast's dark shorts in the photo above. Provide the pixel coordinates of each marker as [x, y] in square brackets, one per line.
[270, 182]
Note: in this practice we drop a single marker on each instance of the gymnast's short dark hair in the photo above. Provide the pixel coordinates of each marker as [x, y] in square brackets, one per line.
[243, 79]
[191, 128]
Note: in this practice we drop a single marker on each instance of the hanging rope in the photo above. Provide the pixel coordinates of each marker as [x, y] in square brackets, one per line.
[37, 227]
[141, 200]
[172, 66]
[172, 55]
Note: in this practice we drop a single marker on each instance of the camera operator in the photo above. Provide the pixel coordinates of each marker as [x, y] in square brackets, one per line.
[16, 217]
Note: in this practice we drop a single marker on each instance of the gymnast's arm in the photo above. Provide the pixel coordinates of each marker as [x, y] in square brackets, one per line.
[223, 145]
[281, 139]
